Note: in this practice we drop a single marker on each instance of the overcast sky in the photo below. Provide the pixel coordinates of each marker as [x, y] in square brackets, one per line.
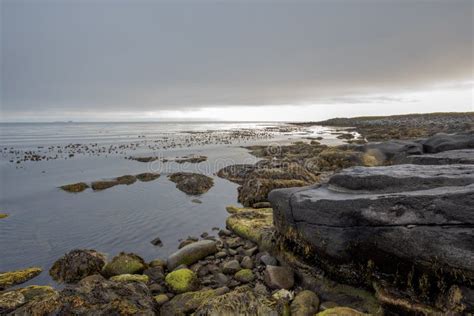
[233, 60]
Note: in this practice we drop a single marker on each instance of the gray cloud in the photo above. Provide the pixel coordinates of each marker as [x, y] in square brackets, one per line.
[151, 55]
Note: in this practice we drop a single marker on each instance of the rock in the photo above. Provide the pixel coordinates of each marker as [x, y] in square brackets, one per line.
[94, 295]
[75, 187]
[192, 183]
[130, 278]
[8, 279]
[261, 289]
[156, 288]
[306, 303]
[124, 263]
[224, 233]
[147, 176]
[419, 240]
[241, 301]
[192, 253]
[221, 254]
[157, 242]
[103, 185]
[186, 242]
[154, 273]
[340, 311]
[390, 151]
[127, 179]
[197, 201]
[262, 205]
[11, 300]
[328, 305]
[461, 156]
[279, 277]
[268, 260]
[399, 178]
[221, 278]
[236, 173]
[181, 281]
[256, 190]
[3, 215]
[247, 263]
[157, 263]
[244, 276]
[443, 142]
[191, 159]
[283, 295]
[187, 303]
[144, 159]
[76, 265]
[251, 224]
[231, 267]
[161, 299]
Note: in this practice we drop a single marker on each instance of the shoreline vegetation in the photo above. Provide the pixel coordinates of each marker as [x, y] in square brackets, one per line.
[381, 225]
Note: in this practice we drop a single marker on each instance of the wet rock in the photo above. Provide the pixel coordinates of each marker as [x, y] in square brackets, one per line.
[221, 278]
[95, 296]
[157, 242]
[306, 303]
[124, 263]
[161, 299]
[147, 176]
[461, 156]
[244, 276]
[262, 205]
[191, 159]
[75, 187]
[247, 262]
[256, 190]
[340, 311]
[443, 142]
[279, 277]
[130, 278]
[11, 300]
[144, 159]
[157, 263]
[197, 201]
[76, 265]
[181, 281]
[186, 242]
[268, 260]
[192, 183]
[231, 267]
[328, 305]
[241, 301]
[251, 224]
[11, 278]
[103, 185]
[187, 303]
[192, 253]
[221, 254]
[154, 273]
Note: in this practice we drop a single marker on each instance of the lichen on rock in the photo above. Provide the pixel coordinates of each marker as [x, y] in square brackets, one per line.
[11, 278]
[124, 263]
[181, 281]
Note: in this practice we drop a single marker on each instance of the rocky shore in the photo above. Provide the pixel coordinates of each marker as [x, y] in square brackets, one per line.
[381, 228]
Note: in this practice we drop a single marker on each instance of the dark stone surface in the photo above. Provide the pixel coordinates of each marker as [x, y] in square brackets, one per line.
[76, 265]
[443, 142]
[460, 156]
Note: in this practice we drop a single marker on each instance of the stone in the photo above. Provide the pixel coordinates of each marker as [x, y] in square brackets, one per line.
[192, 253]
[340, 311]
[157, 242]
[11, 278]
[443, 142]
[224, 233]
[161, 299]
[268, 260]
[11, 300]
[279, 277]
[327, 305]
[305, 303]
[390, 151]
[460, 156]
[247, 263]
[181, 281]
[76, 265]
[221, 278]
[147, 176]
[157, 263]
[283, 295]
[124, 263]
[75, 187]
[187, 303]
[130, 278]
[154, 273]
[244, 276]
[231, 267]
[251, 224]
[192, 183]
[221, 254]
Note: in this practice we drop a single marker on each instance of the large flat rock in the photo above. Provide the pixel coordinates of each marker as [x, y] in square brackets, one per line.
[400, 178]
[460, 156]
[443, 142]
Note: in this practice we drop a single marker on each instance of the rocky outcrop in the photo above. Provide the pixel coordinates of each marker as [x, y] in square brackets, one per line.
[192, 183]
[409, 225]
[443, 142]
[76, 265]
[460, 156]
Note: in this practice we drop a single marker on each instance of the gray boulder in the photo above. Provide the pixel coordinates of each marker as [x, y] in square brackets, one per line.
[443, 142]
[279, 277]
[191, 253]
[460, 156]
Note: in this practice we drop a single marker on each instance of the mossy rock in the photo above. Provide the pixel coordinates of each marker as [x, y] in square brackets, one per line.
[11, 300]
[127, 179]
[181, 281]
[102, 185]
[244, 276]
[250, 223]
[157, 263]
[147, 176]
[186, 303]
[124, 263]
[192, 183]
[75, 187]
[8, 279]
[3, 215]
[130, 278]
[161, 299]
[340, 311]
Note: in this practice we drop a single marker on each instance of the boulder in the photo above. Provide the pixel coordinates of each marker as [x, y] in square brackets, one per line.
[443, 142]
[460, 156]
[305, 303]
[11, 278]
[279, 277]
[187, 303]
[124, 263]
[77, 264]
[192, 183]
[191, 253]
[181, 281]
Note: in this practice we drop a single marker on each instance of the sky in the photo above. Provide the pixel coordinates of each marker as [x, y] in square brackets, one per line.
[117, 60]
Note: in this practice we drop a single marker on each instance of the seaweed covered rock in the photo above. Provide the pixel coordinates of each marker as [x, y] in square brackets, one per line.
[244, 276]
[460, 156]
[187, 303]
[11, 300]
[77, 264]
[252, 224]
[192, 183]
[192, 253]
[305, 303]
[124, 263]
[95, 295]
[147, 176]
[182, 280]
[75, 187]
[130, 278]
[11, 278]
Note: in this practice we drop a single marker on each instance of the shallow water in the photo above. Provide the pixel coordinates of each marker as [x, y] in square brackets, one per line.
[45, 222]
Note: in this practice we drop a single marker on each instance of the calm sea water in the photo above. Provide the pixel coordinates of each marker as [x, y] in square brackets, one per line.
[45, 222]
